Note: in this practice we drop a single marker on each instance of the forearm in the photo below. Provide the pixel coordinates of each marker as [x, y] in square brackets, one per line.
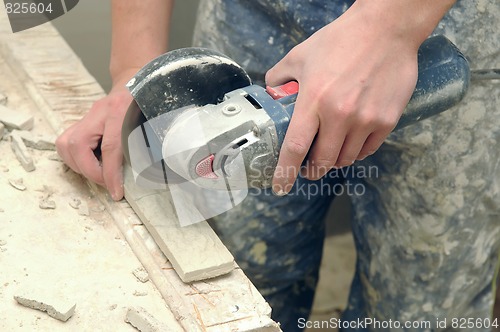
[411, 20]
[139, 33]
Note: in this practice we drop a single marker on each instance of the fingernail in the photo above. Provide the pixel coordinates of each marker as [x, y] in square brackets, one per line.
[117, 195]
[278, 190]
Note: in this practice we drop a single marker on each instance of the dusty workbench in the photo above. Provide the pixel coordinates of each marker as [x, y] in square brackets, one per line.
[83, 248]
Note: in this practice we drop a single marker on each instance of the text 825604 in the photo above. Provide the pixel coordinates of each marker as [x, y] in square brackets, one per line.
[28, 8]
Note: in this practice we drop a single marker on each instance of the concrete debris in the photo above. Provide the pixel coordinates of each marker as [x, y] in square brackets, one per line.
[3, 99]
[37, 142]
[141, 274]
[75, 203]
[83, 209]
[144, 321]
[47, 204]
[47, 190]
[15, 119]
[21, 152]
[62, 311]
[99, 208]
[55, 157]
[18, 184]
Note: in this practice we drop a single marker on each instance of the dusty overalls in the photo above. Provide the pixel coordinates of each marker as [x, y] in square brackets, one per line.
[426, 225]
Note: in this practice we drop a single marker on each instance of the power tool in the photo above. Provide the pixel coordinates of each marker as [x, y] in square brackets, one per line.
[196, 117]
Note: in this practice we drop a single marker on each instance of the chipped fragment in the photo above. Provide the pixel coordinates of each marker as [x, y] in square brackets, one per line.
[75, 202]
[62, 311]
[21, 152]
[46, 204]
[15, 119]
[99, 208]
[141, 274]
[47, 190]
[144, 321]
[139, 293]
[83, 209]
[37, 142]
[55, 157]
[2, 130]
[18, 184]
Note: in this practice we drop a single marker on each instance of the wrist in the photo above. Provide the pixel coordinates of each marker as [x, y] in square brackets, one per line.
[409, 20]
[122, 77]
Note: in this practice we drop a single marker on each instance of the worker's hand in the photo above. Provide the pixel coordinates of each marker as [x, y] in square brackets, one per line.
[101, 125]
[355, 79]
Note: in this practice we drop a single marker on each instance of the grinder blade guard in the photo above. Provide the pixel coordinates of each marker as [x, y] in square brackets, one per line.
[170, 87]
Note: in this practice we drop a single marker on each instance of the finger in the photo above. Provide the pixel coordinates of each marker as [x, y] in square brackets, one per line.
[62, 148]
[324, 152]
[281, 72]
[372, 144]
[112, 158]
[89, 165]
[351, 148]
[299, 136]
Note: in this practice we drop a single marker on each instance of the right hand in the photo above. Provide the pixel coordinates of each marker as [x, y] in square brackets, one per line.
[102, 124]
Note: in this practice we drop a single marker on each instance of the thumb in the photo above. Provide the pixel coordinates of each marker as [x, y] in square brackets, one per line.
[280, 73]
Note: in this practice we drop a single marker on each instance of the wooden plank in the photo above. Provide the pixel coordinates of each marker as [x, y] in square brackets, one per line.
[63, 91]
[195, 251]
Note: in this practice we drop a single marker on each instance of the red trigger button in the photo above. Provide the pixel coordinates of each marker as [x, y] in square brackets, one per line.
[284, 90]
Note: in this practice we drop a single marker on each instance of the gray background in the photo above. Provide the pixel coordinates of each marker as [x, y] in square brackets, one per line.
[87, 29]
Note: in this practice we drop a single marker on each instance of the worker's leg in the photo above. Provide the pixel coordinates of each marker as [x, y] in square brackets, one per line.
[278, 241]
[428, 228]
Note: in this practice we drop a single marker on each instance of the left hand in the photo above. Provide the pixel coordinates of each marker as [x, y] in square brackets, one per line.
[101, 125]
[355, 78]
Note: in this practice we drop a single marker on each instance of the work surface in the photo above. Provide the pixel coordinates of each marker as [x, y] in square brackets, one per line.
[60, 254]
[64, 242]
